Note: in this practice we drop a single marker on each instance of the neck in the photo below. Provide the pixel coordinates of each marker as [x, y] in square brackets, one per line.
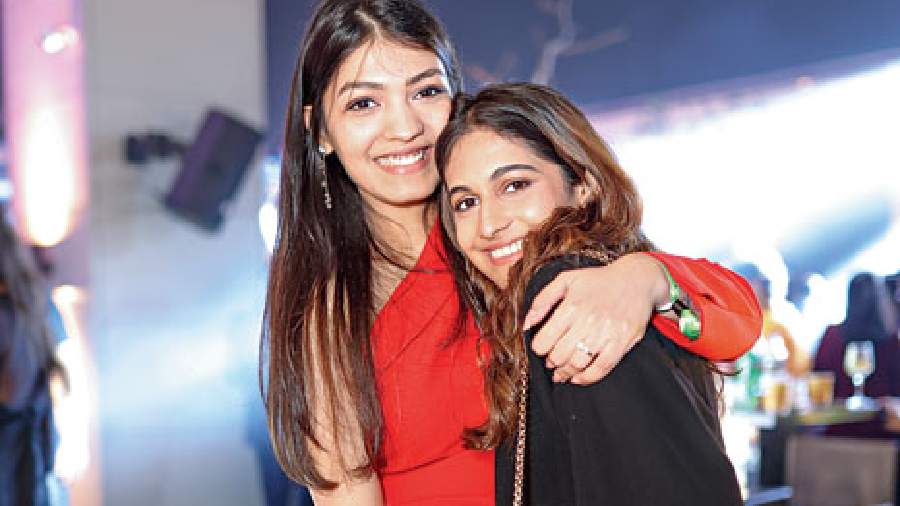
[403, 228]
[401, 233]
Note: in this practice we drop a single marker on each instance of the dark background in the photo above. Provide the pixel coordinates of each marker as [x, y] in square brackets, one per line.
[668, 43]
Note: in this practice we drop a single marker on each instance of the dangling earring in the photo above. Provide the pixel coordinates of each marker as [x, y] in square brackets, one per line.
[326, 193]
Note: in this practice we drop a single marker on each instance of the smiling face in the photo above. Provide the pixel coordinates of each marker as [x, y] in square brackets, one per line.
[499, 190]
[383, 112]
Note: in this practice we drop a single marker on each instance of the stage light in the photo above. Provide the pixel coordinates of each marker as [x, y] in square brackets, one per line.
[59, 39]
[48, 155]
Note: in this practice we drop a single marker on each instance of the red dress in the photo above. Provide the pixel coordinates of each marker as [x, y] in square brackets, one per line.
[431, 390]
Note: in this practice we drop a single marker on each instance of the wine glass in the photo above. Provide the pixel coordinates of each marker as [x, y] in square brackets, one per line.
[859, 362]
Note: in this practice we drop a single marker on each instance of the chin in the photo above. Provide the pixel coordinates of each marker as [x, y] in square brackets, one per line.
[417, 192]
[412, 199]
[500, 280]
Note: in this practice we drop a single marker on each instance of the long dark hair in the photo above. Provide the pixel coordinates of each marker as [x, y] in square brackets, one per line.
[871, 315]
[605, 228]
[315, 356]
[27, 295]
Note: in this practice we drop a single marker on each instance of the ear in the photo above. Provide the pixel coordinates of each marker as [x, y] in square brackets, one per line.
[323, 141]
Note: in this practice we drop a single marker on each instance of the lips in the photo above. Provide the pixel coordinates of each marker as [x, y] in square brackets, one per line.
[506, 253]
[405, 162]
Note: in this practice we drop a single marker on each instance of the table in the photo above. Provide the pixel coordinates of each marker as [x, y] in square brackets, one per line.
[764, 480]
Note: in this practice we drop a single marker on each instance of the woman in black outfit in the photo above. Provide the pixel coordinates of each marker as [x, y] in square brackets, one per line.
[531, 190]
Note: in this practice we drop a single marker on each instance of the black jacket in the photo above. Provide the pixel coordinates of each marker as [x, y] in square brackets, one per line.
[644, 435]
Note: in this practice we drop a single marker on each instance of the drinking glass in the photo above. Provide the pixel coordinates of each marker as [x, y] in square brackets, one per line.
[859, 362]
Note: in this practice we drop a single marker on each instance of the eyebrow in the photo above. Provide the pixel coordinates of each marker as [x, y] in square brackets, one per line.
[500, 171]
[352, 85]
[497, 174]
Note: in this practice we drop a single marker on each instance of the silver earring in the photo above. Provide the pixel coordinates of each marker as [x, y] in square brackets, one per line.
[326, 193]
[323, 174]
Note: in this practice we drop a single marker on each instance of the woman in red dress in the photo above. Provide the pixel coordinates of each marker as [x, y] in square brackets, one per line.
[369, 362]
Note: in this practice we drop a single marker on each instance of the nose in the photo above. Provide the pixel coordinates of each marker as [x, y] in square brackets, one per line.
[404, 122]
[493, 219]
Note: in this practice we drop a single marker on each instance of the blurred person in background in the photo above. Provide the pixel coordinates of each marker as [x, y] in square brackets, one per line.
[892, 283]
[28, 364]
[67, 392]
[871, 316]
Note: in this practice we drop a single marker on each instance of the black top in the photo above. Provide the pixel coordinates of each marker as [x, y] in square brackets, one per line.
[642, 436]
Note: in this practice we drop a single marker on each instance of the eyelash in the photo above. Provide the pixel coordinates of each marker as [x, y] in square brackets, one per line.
[457, 207]
[359, 104]
[364, 103]
[432, 90]
[519, 184]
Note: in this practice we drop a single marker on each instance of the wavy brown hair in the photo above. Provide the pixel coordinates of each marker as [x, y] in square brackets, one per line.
[315, 353]
[604, 228]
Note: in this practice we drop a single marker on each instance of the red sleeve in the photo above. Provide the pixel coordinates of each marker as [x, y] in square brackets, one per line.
[730, 316]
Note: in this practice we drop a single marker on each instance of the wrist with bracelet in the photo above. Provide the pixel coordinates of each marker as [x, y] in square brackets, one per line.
[688, 321]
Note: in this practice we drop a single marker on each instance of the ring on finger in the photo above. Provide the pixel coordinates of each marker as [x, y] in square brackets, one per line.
[582, 347]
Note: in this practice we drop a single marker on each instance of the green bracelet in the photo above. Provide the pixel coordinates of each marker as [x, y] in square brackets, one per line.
[688, 322]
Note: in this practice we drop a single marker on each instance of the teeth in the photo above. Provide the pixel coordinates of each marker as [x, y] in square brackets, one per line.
[401, 160]
[507, 250]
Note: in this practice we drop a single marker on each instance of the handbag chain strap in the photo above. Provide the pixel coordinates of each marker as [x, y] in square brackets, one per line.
[519, 479]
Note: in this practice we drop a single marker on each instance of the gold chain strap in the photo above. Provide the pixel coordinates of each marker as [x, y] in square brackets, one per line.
[519, 479]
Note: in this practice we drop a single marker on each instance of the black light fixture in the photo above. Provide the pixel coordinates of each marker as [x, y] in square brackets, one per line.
[212, 169]
[213, 165]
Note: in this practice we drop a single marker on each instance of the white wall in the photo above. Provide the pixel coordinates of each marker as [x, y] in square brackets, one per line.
[174, 311]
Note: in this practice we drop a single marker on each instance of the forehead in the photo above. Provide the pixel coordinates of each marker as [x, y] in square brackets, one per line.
[381, 60]
[479, 152]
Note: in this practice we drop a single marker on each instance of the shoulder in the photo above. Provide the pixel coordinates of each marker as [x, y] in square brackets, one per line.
[830, 349]
[832, 335]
